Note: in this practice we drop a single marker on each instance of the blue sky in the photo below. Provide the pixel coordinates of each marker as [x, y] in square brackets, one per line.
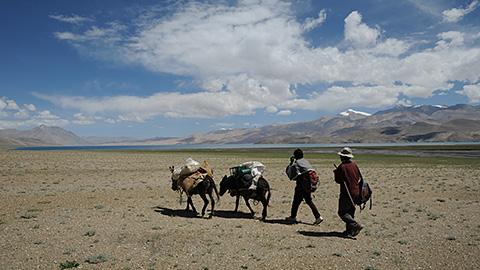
[173, 68]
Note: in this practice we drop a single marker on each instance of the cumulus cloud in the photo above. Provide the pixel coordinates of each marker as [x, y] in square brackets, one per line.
[337, 97]
[359, 34]
[81, 119]
[311, 23]
[450, 39]
[22, 114]
[30, 107]
[456, 14]
[11, 105]
[252, 55]
[271, 109]
[73, 19]
[3, 104]
[472, 91]
[15, 116]
[284, 113]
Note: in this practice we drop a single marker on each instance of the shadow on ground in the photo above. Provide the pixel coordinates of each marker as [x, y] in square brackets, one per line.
[325, 234]
[231, 214]
[283, 221]
[175, 212]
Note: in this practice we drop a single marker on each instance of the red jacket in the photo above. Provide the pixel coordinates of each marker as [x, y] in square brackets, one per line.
[349, 173]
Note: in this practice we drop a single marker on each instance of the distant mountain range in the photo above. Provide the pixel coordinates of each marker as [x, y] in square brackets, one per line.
[424, 123]
[41, 135]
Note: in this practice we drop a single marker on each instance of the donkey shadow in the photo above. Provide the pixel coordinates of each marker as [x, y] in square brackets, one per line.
[326, 234]
[176, 212]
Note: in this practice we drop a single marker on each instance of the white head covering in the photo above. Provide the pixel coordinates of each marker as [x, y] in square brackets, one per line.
[346, 152]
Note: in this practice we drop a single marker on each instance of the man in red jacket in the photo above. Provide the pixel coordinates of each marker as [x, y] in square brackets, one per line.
[347, 174]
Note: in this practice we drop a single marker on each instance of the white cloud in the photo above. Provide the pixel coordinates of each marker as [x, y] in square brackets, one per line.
[450, 39]
[3, 104]
[284, 113]
[337, 97]
[311, 23]
[223, 125]
[30, 107]
[252, 55]
[271, 109]
[11, 105]
[14, 116]
[81, 119]
[74, 19]
[358, 34]
[456, 14]
[22, 114]
[472, 91]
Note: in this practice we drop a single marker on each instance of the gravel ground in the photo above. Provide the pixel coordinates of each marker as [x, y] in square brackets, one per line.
[116, 210]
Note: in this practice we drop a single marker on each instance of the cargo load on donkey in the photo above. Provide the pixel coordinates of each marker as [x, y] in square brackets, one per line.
[192, 170]
[193, 178]
[248, 173]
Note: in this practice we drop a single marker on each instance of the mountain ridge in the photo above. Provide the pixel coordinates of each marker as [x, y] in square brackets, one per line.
[421, 123]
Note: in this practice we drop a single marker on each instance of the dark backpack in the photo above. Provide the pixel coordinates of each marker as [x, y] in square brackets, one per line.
[365, 194]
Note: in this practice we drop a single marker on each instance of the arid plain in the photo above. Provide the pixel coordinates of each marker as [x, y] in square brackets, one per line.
[116, 210]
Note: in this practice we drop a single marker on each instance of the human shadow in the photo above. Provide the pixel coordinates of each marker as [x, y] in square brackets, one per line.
[232, 214]
[326, 234]
[283, 221]
[175, 212]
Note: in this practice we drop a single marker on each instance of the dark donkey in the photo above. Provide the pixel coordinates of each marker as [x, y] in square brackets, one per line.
[261, 194]
[207, 186]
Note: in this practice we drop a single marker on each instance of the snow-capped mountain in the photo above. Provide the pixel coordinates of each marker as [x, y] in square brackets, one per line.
[349, 112]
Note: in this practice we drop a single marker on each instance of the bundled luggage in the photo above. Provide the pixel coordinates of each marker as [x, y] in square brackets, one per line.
[247, 174]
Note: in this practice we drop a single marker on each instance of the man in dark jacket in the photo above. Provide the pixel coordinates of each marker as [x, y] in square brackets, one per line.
[347, 174]
[298, 170]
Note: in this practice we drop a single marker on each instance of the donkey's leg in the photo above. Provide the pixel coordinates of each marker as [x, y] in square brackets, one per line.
[213, 203]
[245, 198]
[189, 201]
[188, 204]
[205, 202]
[236, 203]
[265, 205]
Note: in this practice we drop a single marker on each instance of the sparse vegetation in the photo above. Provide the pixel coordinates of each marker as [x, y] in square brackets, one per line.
[96, 259]
[89, 233]
[69, 264]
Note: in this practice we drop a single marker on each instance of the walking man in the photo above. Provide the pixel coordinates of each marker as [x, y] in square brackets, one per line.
[298, 170]
[348, 175]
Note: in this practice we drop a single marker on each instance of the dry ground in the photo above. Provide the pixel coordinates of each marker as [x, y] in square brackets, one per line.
[115, 210]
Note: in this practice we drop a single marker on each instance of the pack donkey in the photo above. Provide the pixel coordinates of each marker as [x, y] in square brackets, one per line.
[261, 193]
[191, 185]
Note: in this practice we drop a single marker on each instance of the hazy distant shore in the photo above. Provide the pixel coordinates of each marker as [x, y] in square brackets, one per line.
[439, 149]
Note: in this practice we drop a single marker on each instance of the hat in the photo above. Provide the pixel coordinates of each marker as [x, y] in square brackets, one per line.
[346, 152]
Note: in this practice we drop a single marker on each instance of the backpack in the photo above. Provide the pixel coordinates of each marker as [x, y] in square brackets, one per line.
[313, 176]
[365, 194]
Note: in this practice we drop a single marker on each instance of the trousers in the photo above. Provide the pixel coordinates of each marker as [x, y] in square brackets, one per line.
[300, 195]
[346, 211]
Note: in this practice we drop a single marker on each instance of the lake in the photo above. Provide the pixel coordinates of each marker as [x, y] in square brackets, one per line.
[235, 146]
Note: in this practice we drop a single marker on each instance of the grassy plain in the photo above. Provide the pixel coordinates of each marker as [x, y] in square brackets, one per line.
[115, 210]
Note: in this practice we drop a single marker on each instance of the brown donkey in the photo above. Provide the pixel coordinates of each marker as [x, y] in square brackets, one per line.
[193, 184]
